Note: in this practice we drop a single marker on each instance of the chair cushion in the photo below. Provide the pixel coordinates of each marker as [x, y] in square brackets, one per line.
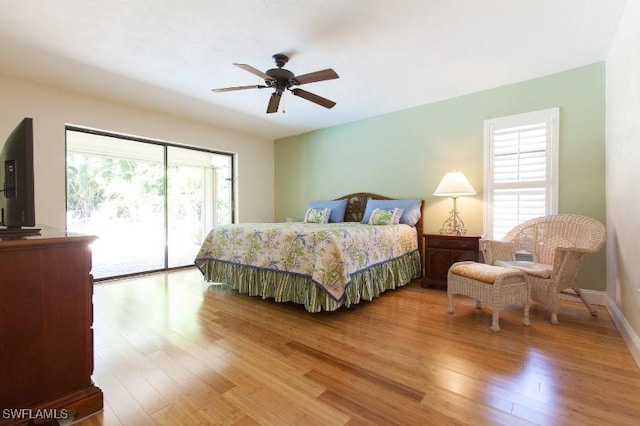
[540, 270]
[478, 271]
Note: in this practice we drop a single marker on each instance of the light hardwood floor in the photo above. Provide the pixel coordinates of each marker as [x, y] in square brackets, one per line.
[172, 350]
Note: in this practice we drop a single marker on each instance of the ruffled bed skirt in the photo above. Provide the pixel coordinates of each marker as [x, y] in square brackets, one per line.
[296, 288]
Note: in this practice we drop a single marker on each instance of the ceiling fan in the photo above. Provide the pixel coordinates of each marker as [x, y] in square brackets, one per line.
[282, 79]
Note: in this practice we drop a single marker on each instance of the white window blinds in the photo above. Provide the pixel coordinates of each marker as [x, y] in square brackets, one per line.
[520, 169]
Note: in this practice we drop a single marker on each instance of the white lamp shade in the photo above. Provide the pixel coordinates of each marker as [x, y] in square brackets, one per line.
[454, 184]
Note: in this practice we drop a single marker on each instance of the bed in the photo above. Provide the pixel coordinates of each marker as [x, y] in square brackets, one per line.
[322, 266]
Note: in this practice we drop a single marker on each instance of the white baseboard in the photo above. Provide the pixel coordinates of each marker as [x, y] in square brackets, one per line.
[593, 296]
[626, 331]
[628, 334]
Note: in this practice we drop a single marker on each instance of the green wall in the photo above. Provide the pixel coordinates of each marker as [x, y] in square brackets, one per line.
[406, 153]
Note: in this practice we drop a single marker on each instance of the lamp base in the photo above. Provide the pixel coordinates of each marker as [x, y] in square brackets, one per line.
[454, 224]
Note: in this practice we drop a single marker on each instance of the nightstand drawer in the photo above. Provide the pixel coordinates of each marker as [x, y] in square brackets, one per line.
[452, 243]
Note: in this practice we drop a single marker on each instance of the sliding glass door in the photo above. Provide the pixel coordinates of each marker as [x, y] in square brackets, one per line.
[150, 204]
[199, 196]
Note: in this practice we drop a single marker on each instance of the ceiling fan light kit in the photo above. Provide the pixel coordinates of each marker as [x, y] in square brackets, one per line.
[282, 79]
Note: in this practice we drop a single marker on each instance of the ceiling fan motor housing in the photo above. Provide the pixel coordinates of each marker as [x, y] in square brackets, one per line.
[280, 74]
[282, 79]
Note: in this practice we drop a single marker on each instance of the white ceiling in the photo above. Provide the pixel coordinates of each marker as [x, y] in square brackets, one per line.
[390, 54]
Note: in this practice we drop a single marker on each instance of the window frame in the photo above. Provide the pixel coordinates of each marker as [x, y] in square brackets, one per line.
[551, 117]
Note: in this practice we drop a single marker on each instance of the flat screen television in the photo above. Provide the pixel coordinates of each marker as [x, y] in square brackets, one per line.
[17, 207]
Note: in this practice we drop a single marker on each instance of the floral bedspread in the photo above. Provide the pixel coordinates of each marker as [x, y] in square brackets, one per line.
[328, 253]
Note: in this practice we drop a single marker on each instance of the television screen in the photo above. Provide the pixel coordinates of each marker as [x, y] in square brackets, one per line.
[17, 209]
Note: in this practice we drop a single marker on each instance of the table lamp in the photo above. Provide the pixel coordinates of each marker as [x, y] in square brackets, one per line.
[454, 184]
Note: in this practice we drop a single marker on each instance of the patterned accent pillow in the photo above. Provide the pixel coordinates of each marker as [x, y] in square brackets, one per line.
[314, 215]
[411, 209]
[338, 208]
[385, 216]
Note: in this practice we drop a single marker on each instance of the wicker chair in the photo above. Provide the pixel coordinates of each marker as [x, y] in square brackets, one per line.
[554, 247]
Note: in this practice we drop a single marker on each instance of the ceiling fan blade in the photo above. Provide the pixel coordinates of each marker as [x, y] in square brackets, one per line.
[313, 98]
[230, 89]
[255, 71]
[274, 102]
[322, 75]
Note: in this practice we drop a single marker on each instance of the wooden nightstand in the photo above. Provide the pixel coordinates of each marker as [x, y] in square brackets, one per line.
[441, 251]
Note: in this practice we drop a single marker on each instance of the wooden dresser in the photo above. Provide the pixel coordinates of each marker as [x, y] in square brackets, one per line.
[441, 251]
[46, 335]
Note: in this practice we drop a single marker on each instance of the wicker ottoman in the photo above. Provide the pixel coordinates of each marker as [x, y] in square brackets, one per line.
[494, 286]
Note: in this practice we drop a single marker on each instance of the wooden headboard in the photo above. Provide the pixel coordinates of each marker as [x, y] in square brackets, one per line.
[357, 202]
